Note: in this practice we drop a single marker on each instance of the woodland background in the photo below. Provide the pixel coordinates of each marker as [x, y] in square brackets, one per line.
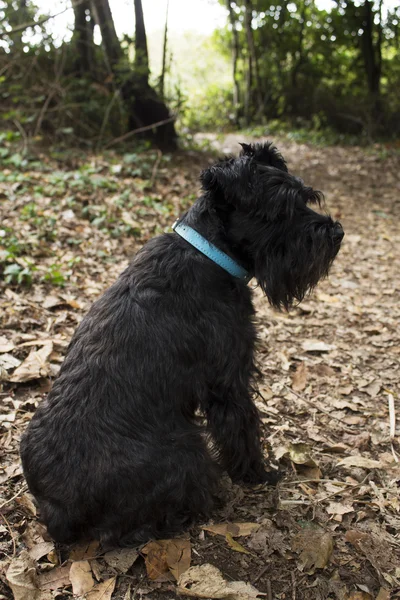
[330, 66]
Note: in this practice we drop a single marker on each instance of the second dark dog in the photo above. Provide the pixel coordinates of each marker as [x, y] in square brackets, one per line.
[114, 452]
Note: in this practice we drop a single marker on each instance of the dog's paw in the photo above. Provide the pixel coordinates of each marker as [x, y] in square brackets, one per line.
[262, 479]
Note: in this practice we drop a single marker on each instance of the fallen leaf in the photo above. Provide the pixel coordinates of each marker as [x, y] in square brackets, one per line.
[167, 555]
[11, 471]
[55, 579]
[337, 508]
[317, 346]
[383, 594]
[80, 576]
[235, 529]
[5, 345]
[360, 596]
[26, 502]
[23, 580]
[360, 461]
[206, 581]
[8, 361]
[345, 390]
[354, 537]
[315, 549]
[33, 534]
[102, 591]
[299, 377]
[84, 551]
[41, 549]
[235, 545]
[121, 559]
[34, 366]
[298, 454]
[373, 388]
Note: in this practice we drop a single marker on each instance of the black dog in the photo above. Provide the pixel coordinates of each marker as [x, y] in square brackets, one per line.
[115, 452]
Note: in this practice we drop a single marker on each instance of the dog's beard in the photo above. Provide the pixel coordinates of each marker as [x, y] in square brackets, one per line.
[293, 262]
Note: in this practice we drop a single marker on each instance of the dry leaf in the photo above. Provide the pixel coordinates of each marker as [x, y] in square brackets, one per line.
[23, 580]
[383, 594]
[317, 346]
[235, 545]
[337, 508]
[354, 537]
[235, 529]
[11, 471]
[206, 581]
[26, 502]
[360, 461]
[41, 549]
[315, 549]
[165, 556]
[80, 576]
[102, 591]
[299, 378]
[373, 388]
[55, 579]
[8, 361]
[5, 345]
[34, 366]
[121, 559]
[84, 551]
[360, 596]
[298, 453]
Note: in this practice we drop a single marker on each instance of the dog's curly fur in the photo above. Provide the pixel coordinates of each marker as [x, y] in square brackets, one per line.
[115, 452]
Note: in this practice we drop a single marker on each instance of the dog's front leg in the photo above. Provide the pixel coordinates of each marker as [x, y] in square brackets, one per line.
[235, 426]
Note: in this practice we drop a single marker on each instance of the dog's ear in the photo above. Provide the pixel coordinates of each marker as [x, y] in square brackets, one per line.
[211, 179]
[218, 178]
[265, 154]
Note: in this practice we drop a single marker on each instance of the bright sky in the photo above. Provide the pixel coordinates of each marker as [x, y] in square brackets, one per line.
[202, 16]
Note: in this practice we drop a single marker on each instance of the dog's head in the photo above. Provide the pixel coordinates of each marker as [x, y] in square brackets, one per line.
[268, 222]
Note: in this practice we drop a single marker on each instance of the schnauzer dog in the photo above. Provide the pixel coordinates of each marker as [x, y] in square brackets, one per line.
[116, 451]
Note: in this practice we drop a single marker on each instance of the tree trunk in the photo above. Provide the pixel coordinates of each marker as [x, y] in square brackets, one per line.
[372, 55]
[298, 61]
[103, 17]
[253, 61]
[83, 37]
[141, 65]
[235, 56]
[164, 54]
[144, 108]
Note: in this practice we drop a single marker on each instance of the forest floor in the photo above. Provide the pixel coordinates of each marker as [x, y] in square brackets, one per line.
[330, 387]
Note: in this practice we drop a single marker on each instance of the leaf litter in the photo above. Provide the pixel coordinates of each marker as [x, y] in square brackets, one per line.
[329, 400]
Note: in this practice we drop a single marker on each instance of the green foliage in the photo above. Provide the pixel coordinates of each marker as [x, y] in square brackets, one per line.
[314, 64]
[209, 109]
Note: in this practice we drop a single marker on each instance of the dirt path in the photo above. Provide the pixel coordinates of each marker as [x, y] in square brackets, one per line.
[330, 370]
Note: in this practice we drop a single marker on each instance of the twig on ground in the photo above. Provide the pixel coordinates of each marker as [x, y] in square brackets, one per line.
[121, 138]
[292, 575]
[10, 532]
[309, 403]
[259, 574]
[23, 134]
[269, 590]
[21, 491]
[155, 167]
[392, 425]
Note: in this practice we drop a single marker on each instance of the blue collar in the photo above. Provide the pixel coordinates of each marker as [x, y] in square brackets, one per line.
[211, 251]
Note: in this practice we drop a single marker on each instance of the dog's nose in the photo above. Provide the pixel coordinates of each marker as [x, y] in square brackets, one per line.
[338, 232]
